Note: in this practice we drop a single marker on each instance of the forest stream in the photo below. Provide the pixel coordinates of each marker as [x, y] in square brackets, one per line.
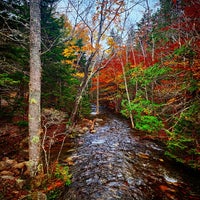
[113, 163]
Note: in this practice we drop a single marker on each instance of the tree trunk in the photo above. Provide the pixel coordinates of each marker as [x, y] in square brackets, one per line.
[128, 96]
[97, 108]
[126, 88]
[35, 88]
[83, 86]
[79, 97]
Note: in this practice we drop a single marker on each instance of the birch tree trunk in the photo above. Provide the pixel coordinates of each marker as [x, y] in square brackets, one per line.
[35, 88]
[127, 94]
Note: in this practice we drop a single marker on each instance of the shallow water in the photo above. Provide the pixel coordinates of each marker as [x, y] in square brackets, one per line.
[114, 164]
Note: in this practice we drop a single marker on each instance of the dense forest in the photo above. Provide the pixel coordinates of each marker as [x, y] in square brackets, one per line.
[148, 72]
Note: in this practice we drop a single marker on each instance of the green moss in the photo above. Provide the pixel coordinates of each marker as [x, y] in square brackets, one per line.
[35, 139]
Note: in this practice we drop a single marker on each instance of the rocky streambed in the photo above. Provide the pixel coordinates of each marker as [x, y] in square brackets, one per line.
[111, 163]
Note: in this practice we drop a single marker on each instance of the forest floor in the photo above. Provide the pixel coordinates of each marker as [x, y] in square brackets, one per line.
[14, 174]
[14, 150]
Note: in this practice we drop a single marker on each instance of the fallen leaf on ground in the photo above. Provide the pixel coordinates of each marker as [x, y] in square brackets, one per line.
[143, 155]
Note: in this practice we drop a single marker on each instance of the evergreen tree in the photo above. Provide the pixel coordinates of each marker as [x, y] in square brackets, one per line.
[14, 30]
[58, 82]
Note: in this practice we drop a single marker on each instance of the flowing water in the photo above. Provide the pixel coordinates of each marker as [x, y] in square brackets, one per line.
[113, 164]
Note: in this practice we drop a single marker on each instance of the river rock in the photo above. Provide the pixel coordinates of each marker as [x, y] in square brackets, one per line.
[98, 120]
[85, 129]
[93, 131]
[10, 161]
[8, 177]
[7, 173]
[19, 165]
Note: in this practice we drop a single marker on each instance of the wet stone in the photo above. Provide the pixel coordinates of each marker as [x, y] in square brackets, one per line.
[113, 184]
[138, 182]
[119, 175]
[130, 180]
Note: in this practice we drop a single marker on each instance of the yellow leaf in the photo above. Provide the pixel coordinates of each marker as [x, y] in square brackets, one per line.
[79, 75]
[143, 155]
[69, 161]
[171, 100]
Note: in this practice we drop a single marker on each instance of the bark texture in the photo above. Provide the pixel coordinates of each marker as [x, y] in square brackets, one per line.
[35, 88]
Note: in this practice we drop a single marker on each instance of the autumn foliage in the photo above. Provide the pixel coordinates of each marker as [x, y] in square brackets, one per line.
[162, 67]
